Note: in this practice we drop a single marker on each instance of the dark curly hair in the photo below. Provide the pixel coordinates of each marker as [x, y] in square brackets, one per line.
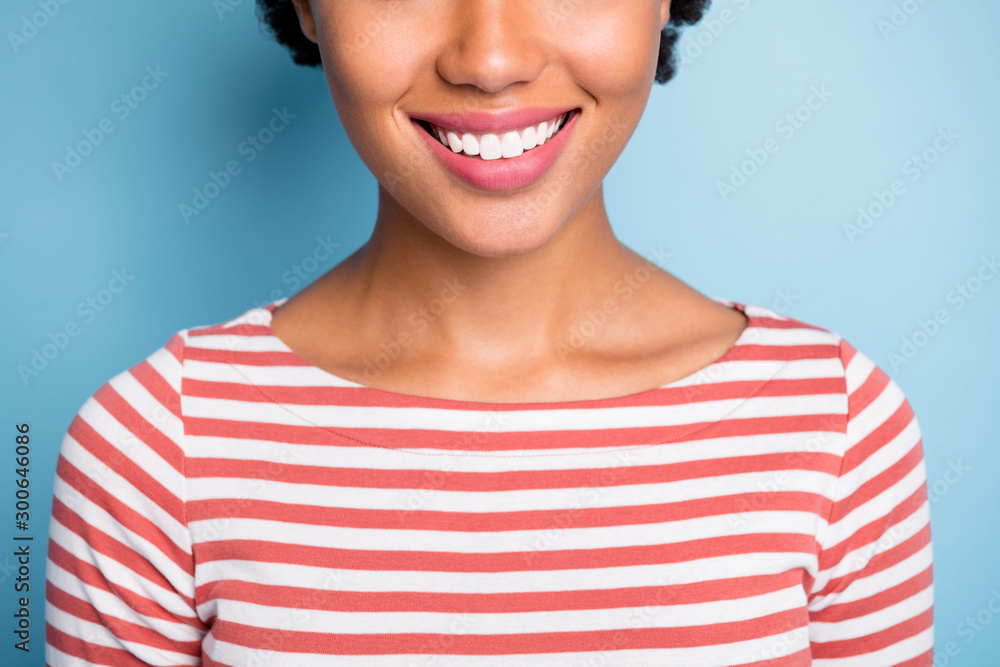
[280, 18]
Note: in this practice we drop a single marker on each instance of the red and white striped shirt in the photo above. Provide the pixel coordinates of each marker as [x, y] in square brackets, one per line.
[224, 502]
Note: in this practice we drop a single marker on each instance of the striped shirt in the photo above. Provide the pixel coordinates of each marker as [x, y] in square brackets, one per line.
[224, 502]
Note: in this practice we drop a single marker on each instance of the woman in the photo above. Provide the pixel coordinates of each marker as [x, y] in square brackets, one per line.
[493, 435]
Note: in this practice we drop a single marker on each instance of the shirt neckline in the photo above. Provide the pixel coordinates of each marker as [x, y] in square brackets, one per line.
[735, 352]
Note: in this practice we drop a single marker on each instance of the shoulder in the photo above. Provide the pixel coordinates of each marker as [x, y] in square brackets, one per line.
[150, 390]
[874, 407]
[821, 351]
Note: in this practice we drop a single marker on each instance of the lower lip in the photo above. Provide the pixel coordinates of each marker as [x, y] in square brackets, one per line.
[505, 173]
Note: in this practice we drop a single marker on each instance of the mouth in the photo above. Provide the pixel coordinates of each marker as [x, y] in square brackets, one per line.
[498, 153]
[496, 145]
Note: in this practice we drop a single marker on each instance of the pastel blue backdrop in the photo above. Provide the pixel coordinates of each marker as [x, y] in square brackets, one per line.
[899, 78]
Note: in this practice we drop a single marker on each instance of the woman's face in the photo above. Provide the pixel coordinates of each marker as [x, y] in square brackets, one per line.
[486, 71]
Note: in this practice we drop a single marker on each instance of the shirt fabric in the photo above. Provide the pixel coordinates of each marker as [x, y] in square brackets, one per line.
[224, 502]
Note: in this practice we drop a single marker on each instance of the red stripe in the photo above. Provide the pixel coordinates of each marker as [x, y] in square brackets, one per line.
[875, 641]
[511, 480]
[492, 441]
[209, 661]
[129, 417]
[175, 346]
[925, 659]
[847, 353]
[879, 484]
[801, 658]
[439, 520]
[869, 390]
[882, 435]
[888, 557]
[873, 530]
[366, 397]
[289, 597]
[121, 629]
[125, 467]
[261, 551]
[93, 654]
[157, 386]
[108, 546]
[877, 602]
[89, 575]
[508, 644]
[127, 517]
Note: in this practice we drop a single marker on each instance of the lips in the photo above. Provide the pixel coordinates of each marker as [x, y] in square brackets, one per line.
[498, 151]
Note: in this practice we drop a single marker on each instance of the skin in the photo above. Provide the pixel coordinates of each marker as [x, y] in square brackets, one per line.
[530, 263]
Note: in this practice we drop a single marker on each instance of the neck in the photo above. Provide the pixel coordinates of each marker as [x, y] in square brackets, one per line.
[511, 306]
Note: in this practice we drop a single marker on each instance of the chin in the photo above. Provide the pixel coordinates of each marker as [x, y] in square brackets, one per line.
[495, 237]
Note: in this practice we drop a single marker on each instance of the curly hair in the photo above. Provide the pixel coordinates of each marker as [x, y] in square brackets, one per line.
[281, 21]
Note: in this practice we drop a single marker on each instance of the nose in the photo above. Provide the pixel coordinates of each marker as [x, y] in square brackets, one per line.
[493, 44]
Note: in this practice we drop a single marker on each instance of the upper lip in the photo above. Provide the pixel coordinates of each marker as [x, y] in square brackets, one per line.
[492, 121]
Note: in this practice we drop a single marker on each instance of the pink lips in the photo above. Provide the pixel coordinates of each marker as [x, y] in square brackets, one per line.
[505, 173]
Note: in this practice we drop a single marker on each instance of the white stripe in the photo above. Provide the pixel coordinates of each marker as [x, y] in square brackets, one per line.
[437, 499]
[556, 537]
[625, 576]
[499, 623]
[700, 656]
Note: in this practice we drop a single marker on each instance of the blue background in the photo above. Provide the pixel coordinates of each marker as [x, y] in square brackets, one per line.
[779, 241]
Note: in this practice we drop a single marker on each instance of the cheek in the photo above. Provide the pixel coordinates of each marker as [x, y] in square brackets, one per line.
[370, 56]
[612, 50]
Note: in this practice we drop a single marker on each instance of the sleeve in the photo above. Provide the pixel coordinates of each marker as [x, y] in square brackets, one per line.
[120, 569]
[872, 601]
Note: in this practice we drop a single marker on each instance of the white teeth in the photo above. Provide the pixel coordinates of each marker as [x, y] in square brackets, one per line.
[470, 144]
[493, 147]
[528, 139]
[511, 144]
[489, 147]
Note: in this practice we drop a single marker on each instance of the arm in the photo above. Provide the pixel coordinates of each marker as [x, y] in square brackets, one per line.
[872, 601]
[120, 571]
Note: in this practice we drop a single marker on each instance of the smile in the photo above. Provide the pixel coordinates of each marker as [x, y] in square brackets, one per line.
[498, 152]
[491, 146]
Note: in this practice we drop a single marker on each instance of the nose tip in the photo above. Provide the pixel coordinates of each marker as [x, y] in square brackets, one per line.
[492, 45]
